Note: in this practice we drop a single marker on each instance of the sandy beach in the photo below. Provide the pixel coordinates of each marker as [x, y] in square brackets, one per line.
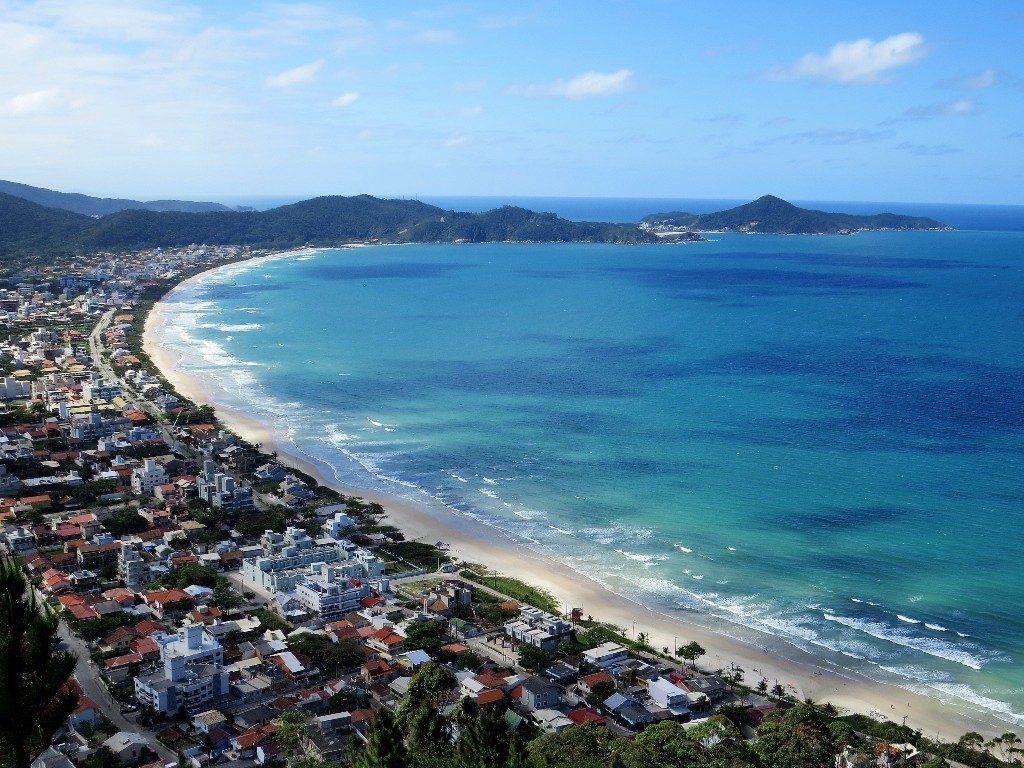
[803, 674]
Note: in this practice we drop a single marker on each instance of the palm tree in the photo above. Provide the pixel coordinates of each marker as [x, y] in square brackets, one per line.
[34, 701]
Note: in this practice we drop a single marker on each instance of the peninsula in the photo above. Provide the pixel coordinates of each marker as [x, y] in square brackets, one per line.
[770, 215]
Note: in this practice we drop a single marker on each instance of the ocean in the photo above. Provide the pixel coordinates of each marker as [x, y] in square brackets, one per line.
[800, 441]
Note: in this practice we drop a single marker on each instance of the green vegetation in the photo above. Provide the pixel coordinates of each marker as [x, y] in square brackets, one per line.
[33, 700]
[125, 521]
[28, 229]
[331, 658]
[514, 588]
[769, 214]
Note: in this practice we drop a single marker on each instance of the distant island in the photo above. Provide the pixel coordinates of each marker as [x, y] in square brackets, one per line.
[771, 215]
[31, 231]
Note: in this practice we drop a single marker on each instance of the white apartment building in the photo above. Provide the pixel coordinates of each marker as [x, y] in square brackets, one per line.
[148, 477]
[192, 674]
[294, 557]
[538, 628]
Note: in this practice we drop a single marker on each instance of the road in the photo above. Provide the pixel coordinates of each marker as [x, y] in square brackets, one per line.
[88, 677]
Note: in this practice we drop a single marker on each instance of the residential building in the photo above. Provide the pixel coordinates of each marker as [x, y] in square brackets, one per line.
[192, 672]
[294, 557]
[606, 655]
[538, 628]
[147, 478]
[222, 491]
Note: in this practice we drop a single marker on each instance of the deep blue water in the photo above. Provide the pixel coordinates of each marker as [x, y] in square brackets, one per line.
[806, 441]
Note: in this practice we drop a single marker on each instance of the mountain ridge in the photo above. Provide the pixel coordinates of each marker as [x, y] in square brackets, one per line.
[89, 205]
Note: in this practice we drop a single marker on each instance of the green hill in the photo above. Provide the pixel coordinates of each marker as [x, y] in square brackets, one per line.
[32, 230]
[772, 215]
[26, 229]
[99, 206]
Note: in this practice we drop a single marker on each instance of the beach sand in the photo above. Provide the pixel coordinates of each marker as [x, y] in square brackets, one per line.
[801, 673]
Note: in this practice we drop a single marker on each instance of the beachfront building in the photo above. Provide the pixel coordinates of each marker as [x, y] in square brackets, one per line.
[538, 628]
[668, 696]
[222, 491]
[332, 590]
[338, 525]
[147, 478]
[294, 557]
[192, 672]
[606, 655]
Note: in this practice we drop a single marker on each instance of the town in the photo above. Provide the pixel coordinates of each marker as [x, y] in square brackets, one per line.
[227, 610]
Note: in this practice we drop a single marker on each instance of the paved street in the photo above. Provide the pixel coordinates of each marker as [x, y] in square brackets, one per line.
[88, 677]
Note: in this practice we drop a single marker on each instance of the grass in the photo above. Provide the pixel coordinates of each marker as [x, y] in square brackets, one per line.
[514, 588]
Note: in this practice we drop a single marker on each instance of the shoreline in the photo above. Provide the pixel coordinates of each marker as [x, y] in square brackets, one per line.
[803, 674]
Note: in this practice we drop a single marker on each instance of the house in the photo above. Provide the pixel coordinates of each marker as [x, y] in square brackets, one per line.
[126, 746]
[628, 711]
[211, 718]
[551, 720]
[606, 655]
[377, 671]
[586, 715]
[536, 693]
[386, 641]
[587, 683]
[669, 697]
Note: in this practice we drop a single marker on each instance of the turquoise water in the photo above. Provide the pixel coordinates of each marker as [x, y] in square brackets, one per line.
[802, 441]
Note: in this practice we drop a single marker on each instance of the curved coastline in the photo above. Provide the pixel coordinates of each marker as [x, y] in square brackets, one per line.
[806, 675]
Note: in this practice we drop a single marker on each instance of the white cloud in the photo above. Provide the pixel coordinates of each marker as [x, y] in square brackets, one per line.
[28, 103]
[985, 79]
[583, 85]
[857, 61]
[346, 99]
[456, 140]
[295, 76]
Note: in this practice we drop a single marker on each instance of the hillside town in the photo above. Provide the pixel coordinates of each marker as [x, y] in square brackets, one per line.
[227, 610]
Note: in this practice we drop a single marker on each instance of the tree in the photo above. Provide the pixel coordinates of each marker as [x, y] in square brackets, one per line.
[430, 690]
[484, 742]
[34, 702]
[292, 728]
[798, 738]
[762, 686]
[599, 692]
[584, 746]
[533, 658]
[691, 652]
[385, 748]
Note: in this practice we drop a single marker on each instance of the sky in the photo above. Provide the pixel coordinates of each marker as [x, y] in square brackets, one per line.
[908, 101]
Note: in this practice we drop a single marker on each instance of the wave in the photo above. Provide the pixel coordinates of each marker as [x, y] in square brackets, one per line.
[488, 492]
[937, 627]
[685, 550]
[489, 481]
[907, 619]
[937, 648]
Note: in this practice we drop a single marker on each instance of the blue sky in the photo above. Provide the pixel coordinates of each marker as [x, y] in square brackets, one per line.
[913, 101]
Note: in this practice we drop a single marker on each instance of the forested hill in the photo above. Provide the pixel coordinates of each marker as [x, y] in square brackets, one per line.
[99, 206]
[772, 215]
[32, 231]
